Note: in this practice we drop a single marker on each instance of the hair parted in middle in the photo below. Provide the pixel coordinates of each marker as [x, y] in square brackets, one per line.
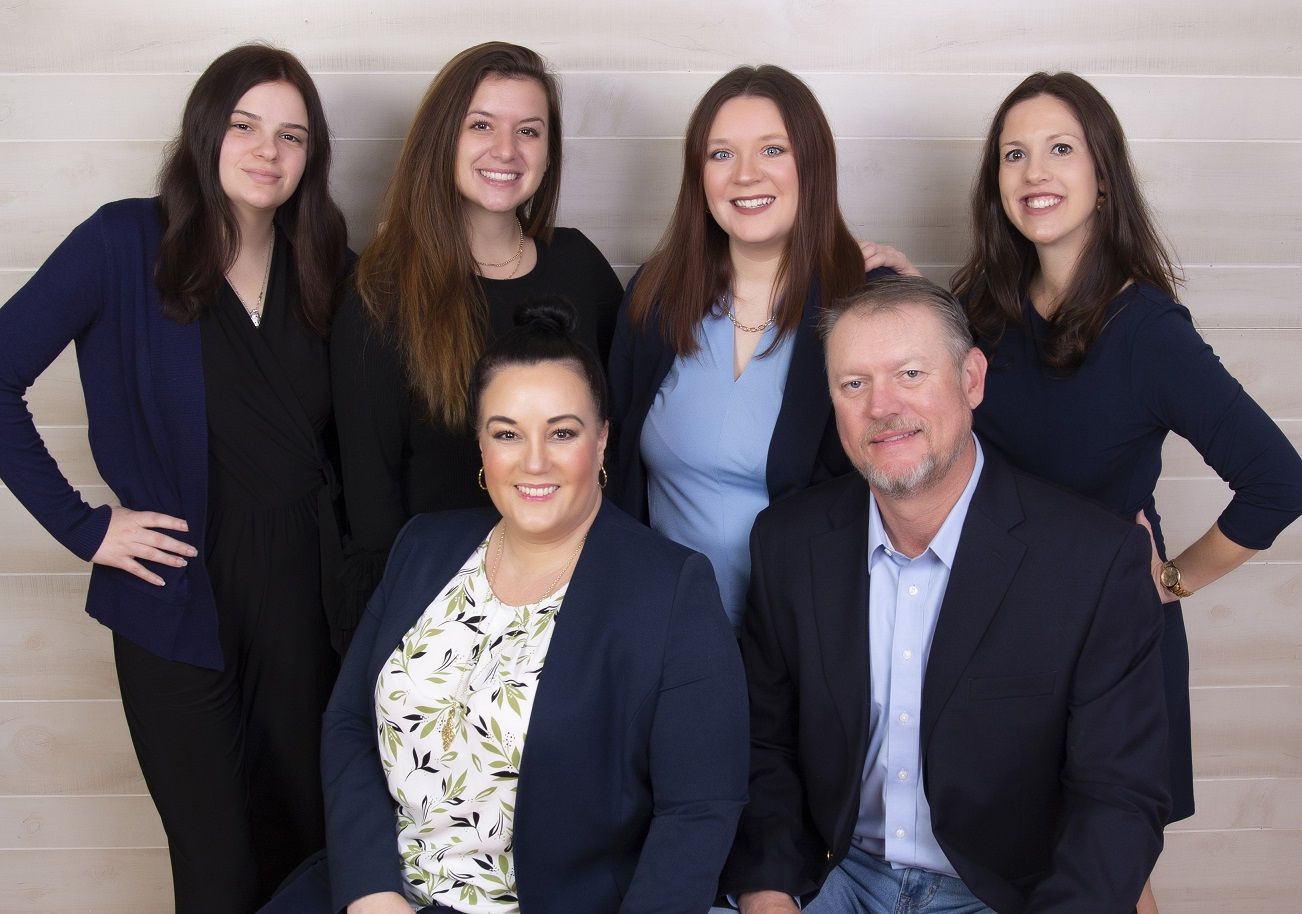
[690, 271]
[417, 278]
[1123, 246]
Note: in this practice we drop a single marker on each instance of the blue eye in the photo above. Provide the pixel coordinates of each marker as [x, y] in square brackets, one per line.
[1014, 155]
[720, 155]
[912, 374]
[772, 151]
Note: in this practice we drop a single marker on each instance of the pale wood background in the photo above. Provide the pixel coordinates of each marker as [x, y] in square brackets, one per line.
[1211, 94]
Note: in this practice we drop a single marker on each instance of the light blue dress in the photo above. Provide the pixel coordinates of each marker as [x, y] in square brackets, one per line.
[705, 444]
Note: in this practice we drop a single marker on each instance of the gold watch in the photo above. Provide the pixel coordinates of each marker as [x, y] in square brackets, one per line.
[1171, 580]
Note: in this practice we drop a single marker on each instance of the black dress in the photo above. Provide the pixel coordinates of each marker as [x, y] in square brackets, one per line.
[395, 462]
[232, 757]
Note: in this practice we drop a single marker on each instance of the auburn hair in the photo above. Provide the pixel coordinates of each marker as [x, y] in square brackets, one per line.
[201, 237]
[417, 278]
[1123, 244]
[690, 270]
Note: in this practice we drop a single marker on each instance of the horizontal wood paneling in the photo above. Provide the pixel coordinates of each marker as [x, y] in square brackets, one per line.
[131, 106]
[118, 881]
[49, 647]
[1249, 732]
[1239, 872]
[55, 398]
[66, 748]
[1243, 629]
[1159, 36]
[1189, 506]
[1245, 803]
[34, 823]
[906, 192]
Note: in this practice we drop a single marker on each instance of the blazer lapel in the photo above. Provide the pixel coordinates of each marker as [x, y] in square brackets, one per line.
[802, 418]
[986, 561]
[839, 567]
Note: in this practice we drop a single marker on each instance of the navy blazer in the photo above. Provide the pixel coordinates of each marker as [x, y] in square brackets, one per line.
[804, 449]
[142, 378]
[1043, 728]
[635, 762]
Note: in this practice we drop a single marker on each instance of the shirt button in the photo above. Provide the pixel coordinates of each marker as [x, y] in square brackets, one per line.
[907, 655]
[903, 775]
[899, 833]
[904, 718]
[913, 591]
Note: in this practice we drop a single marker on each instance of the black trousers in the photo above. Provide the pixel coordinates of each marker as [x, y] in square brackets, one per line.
[232, 758]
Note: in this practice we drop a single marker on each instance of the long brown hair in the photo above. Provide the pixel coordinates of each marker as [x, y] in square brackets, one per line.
[417, 279]
[200, 235]
[690, 269]
[1123, 245]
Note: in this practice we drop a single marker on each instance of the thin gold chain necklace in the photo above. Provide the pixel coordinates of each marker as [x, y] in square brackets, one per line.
[516, 257]
[255, 313]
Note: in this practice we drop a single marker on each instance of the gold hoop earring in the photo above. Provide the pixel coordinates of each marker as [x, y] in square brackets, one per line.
[602, 478]
[481, 480]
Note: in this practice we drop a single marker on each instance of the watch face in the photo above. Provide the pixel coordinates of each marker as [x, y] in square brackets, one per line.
[1170, 576]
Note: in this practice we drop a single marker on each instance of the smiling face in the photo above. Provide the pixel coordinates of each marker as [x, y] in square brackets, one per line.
[542, 446]
[903, 407]
[1047, 180]
[264, 151]
[751, 183]
[502, 148]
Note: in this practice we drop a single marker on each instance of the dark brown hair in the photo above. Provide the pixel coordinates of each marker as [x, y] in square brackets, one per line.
[200, 234]
[543, 332]
[417, 279]
[690, 269]
[1123, 245]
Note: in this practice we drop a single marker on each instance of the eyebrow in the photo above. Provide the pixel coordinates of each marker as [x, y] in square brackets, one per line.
[527, 120]
[552, 421]
[764, 139]
[257, 117]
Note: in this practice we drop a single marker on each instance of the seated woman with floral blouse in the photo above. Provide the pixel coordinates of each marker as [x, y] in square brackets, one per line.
[544, 706]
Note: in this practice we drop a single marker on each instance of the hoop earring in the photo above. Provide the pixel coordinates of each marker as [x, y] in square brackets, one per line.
[602, 478]
[481, 480]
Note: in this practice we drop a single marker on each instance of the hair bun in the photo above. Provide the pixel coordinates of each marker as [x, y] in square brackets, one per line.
[550, 315]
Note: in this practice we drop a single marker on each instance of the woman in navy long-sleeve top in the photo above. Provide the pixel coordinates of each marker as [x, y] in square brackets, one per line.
[200, 319]
[1093, 362]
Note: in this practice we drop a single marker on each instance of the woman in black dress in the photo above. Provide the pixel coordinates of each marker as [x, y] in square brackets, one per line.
[200, 320]
[466, 234]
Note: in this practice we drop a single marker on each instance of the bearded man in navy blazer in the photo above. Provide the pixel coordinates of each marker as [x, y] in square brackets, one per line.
[954, 670]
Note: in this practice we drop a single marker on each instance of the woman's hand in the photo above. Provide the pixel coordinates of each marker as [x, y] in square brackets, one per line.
[1155, 566]
[767, 902]
[380, 903]
[134, 535]
[883, 255]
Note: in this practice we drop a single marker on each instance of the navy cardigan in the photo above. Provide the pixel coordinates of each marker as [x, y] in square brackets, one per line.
[635, 765]
[804, 449]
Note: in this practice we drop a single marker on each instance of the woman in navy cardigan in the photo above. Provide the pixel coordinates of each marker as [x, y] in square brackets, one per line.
[719, 393]
[200, 319]
[1093, 362]
[543, 709]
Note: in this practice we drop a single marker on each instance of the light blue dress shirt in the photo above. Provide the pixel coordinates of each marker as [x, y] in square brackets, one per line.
[705, 444]
[904, 598]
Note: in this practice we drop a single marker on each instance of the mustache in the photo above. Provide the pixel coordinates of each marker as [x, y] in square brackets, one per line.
[892, 425]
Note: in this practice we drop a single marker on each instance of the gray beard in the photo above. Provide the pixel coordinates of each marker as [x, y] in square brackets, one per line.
[918, 480]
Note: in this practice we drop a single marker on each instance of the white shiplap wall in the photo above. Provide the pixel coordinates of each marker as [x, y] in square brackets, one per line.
[1210, 92]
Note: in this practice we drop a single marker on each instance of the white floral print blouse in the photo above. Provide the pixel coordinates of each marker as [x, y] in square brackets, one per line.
[452, 707]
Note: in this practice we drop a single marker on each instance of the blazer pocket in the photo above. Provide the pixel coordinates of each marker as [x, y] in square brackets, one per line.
[1026, 685]
[176, 587]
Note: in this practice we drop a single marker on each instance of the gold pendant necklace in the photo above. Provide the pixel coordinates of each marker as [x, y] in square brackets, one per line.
[255, 313]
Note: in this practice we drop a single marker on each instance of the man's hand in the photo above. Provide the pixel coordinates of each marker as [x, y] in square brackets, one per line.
[767, 903]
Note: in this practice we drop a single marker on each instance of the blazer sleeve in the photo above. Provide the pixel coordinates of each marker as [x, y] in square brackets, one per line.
[59, 304]
[1116, 772]
[698, 755]
[1186, 389]
[777, 847]
[361, 829]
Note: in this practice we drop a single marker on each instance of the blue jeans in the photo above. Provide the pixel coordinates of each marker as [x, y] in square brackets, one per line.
[864, 884]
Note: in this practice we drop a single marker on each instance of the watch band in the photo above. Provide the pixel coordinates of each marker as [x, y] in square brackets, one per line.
[1171, 580]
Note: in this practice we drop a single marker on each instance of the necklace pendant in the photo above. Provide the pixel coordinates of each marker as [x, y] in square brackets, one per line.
[449, 730]
[256, 316]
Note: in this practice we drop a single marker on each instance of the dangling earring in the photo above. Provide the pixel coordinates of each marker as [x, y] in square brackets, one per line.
[1098, 204]
[481, 480]
[602, 478]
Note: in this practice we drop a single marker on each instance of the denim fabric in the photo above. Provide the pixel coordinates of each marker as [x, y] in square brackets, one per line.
[864, 884]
